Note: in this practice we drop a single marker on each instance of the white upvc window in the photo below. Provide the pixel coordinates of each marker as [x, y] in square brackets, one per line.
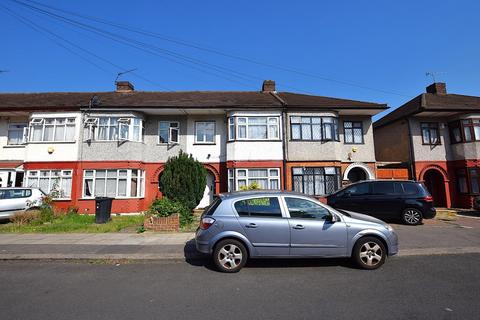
[205, 132]
[52, 129]
[266, 178]
[115, 128]
[16, 133]
[254, 128]
[57, 183]
[115, 183]
[168, 132]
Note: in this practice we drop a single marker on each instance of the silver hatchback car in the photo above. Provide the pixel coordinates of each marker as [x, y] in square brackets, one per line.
[19, 199]
[280, 224]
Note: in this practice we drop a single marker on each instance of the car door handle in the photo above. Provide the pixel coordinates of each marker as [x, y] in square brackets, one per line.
[299, 227]
[251, 225]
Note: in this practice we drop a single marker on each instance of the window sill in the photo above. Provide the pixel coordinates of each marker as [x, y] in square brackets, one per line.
[116, 198]
[62, 199]
[13, 146]
[255, 140]
[112, 141]
[354, 144]
[204, 143]
[300, 140]
[51, 142]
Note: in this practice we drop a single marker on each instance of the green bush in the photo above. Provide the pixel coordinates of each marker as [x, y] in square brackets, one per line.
[165, 207]
[184, 179]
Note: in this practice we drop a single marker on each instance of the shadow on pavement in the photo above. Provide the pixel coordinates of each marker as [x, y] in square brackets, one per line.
[197, 259]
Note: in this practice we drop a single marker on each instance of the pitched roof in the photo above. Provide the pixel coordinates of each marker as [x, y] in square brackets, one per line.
[185, 99]
[431, 102]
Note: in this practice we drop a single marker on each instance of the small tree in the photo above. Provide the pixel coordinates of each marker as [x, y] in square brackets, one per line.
[184, 180]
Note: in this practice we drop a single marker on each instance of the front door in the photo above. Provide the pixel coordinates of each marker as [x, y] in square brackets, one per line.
[310, 232]
[208, 192]
[263, 224]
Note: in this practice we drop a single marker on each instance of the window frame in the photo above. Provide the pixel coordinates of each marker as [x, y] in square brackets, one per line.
[333, 125]
[177, 127]
[352, 129]
[462, 173]
[204, 135]
[337, 181]
[234, 127]
[36, 122]
[140, 190]
[462, 125]
[22, 131]
[430, 126]
[233, 178]
[64, 174]
[93, 124]
[470, 180]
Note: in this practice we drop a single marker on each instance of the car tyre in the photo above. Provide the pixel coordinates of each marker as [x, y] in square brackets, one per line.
[230, 255]
[412, 216]
[369, 253]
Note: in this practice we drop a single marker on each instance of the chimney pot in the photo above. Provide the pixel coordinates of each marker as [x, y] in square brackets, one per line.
[124, 86]
[437, 88]
[268, 86]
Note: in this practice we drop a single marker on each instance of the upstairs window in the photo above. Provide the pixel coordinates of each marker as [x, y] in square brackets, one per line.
[353, 131]
[168, 132]
[430, 133]
[115, 128]
[205, 132]
[466, 130]
[16, 133]
[52, 129]
[254, 128]
[314, 128]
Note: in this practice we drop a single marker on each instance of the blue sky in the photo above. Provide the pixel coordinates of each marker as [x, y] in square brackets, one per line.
[384, 45]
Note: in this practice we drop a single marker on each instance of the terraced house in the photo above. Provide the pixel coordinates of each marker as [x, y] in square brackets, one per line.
[437, 135]
[87, 144]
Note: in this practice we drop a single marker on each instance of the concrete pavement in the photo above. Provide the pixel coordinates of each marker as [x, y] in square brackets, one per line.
[433, 237]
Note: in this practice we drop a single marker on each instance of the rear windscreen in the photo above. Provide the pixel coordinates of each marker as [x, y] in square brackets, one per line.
[212, 207]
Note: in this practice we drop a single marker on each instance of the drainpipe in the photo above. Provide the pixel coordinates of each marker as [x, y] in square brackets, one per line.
[412, 153]
[284, 136]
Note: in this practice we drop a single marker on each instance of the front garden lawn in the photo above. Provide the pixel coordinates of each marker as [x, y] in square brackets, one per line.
[76, 223]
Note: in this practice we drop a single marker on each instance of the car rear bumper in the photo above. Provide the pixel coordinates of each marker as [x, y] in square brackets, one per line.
[429, 213]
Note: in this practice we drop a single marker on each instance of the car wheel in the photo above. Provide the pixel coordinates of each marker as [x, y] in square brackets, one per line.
[230, 255]
[412, 216]
[369, 253]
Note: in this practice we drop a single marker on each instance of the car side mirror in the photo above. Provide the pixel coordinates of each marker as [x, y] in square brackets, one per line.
[331, 218]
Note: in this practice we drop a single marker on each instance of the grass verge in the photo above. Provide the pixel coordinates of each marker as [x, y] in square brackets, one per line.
[75, 223]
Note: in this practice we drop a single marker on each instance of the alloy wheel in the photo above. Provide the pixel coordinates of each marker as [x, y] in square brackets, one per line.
[412, 216]
[230, 256]
[371, 254]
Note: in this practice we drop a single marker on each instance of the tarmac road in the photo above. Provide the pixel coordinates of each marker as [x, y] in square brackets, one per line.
[416, 287]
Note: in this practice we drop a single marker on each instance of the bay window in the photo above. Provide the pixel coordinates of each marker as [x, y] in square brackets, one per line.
[254, 128]
[52, 129]
[57, 183]
[265, 178]
[115, 183]
[466, 130]
[317, 181]
[314, 128]
[115, 128]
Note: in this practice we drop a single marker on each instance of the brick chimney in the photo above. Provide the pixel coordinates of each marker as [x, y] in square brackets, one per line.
[268, 86]
[437, 88]
[124, 86]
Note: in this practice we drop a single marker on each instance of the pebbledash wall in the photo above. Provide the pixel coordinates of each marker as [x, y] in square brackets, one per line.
[238, 154]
